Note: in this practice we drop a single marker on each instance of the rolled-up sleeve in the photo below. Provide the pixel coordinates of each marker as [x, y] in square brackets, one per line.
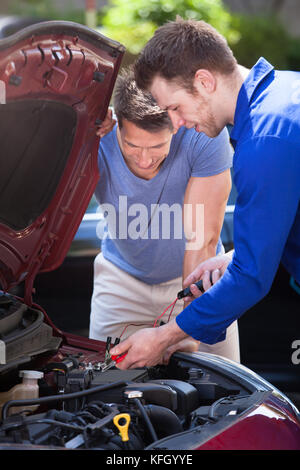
[210, 156]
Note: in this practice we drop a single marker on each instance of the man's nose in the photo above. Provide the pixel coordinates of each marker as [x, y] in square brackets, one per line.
[176, 119]
[145, 159]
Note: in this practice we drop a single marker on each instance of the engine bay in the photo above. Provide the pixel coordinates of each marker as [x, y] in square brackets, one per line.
[77, 405]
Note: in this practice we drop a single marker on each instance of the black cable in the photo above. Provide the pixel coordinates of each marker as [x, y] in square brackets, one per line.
[61, 397]
[146, 418]
[72, 427]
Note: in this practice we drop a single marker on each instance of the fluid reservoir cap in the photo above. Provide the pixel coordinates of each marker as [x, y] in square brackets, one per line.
[133, 394]
[31, 374]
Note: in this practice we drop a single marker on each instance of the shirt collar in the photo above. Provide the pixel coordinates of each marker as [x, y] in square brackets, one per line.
[260, 70]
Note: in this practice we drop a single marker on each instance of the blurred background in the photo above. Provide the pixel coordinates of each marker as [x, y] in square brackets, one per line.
[253, 28]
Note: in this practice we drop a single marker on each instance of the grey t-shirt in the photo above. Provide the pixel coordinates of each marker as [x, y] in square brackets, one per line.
[144, 234]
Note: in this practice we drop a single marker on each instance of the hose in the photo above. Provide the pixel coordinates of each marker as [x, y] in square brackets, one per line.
[60, 397]
[146, 418]
[164, 419]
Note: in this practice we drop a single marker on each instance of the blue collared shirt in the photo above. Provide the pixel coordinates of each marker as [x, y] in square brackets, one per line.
[266, 139]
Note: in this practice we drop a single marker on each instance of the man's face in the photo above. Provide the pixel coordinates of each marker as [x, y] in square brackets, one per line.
[184, 108]
[143, 151]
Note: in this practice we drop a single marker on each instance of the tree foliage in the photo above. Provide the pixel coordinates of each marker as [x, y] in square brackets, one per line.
[45, 9]
[261, 36]
[133, 22]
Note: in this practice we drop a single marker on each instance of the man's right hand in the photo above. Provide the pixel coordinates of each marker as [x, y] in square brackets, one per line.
[147, 347]
[212, 267]
[107, 125]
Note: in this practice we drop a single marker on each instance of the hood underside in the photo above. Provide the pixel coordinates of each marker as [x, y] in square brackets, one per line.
[56, 81]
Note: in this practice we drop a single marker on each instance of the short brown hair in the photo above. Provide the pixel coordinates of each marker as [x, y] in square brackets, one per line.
[137, 106]
[178, 49]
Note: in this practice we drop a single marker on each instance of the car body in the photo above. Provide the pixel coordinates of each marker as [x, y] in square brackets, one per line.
[57, 79]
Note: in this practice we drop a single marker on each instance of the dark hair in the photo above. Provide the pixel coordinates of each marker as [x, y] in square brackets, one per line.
[137, 106]
[178, 49]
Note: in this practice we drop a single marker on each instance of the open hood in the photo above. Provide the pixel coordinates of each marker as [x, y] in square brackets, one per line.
[56, 81]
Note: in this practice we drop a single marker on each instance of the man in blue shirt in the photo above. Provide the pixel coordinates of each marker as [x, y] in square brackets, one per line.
[154, 182]
[192, 73]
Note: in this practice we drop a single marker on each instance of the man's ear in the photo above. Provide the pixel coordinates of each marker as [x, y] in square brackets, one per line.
[205, 81]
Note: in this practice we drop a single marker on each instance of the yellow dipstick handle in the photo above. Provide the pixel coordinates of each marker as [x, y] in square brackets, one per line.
[123, 428]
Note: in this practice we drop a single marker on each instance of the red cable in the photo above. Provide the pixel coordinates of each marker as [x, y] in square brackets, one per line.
[171, 305]
[156, 320]
[132, 324]
[170, 314]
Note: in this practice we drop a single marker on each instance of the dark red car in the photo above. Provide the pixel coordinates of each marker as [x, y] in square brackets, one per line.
[56, 80]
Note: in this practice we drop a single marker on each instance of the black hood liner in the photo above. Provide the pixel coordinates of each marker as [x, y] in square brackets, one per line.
[36, 138]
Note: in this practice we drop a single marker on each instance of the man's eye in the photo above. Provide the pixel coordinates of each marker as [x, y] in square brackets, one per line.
[159, 146]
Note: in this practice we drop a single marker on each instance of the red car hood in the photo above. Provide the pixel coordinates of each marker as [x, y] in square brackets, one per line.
[56, 81]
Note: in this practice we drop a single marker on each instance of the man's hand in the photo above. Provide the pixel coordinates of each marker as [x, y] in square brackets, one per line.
[185, 345]
[107, 125]
[214, 267]
[147, 347]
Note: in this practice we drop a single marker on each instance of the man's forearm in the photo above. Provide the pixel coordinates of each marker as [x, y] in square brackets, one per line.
[170, 334]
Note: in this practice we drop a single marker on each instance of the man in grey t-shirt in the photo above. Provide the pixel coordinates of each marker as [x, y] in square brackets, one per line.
[163, 192]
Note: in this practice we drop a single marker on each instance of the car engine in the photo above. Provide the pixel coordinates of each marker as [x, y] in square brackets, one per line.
[81, 407]
[55, 394]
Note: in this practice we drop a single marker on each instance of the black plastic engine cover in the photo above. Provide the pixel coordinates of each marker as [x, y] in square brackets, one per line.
[187, 395]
